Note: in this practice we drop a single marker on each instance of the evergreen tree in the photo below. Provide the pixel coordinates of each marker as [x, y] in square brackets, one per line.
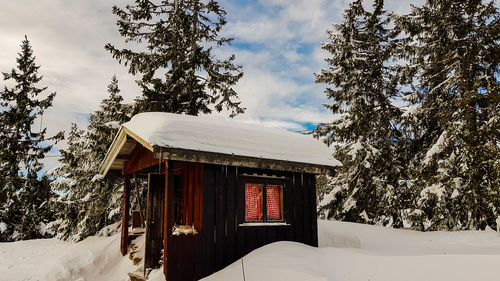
[363, 130]
[24, 196]
[105, 122]
[71, 173]
[90, 202]
[452, 123]
[174, 41]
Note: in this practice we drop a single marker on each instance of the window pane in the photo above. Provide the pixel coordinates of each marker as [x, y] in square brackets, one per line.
[253, 202]
[274, 202]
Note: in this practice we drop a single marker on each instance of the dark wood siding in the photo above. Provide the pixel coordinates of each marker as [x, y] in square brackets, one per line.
[154, 220]
[185, 252]
[223, 239]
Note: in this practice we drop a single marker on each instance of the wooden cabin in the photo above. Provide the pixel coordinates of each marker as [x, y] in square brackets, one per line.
[217, 189]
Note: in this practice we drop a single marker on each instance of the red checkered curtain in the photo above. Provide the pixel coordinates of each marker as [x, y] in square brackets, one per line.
[253, 202]
[273, 194]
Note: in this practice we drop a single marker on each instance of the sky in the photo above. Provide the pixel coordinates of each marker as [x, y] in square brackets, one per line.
[276, 41]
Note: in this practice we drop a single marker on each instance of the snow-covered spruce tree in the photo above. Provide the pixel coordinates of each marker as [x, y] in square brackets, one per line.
[105, 122]
[452, 124]
[174, 56]
[24, 196]
[72, 175]
[363, 129]
[89, 202]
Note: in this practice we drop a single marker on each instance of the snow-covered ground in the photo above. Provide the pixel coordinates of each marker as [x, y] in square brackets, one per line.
[96, 258]
[347, 252]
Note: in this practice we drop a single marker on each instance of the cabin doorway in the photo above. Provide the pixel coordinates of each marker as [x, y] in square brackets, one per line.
[154, 220]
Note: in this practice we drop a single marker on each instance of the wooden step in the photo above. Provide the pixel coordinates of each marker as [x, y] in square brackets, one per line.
[135, 277]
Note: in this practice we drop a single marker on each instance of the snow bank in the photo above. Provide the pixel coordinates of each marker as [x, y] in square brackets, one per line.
[347, 251]
[379, 240]
[361, 252]
[228, 137]
[96, 258]
[292, 261]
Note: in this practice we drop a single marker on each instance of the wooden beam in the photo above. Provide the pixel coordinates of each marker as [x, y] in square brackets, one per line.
[122, 158]
[168, 214]
[240, 161]
[125, 214]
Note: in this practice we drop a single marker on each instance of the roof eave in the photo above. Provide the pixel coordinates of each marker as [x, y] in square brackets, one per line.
[116, 146]
[179, 154]
[114, 149]
[241, 161]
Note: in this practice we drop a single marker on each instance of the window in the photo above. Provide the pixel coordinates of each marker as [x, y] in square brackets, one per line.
[274, 194]
[256, 194]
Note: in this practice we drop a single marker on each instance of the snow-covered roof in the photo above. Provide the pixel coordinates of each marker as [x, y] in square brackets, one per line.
[157, 130]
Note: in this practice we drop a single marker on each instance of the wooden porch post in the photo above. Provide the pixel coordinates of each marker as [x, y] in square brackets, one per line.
[168, 219]
[125, 215]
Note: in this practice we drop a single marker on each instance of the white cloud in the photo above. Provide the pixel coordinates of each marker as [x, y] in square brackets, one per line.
[277, 43]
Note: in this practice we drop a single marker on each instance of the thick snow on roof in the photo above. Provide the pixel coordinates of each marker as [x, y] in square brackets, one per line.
[206, 134]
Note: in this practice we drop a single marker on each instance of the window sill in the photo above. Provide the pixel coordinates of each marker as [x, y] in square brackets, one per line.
[264, 224]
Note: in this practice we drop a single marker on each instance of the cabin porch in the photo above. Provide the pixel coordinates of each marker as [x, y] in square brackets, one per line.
[172, 214]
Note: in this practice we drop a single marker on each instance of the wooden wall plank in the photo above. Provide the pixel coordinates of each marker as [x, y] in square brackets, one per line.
[190, 186]
[298, 208]
[314, 214]
[240, 218]
[290, 210]
[140, 158]
[231, 186]
[198, 197]
[208, 219]
[261, 236]
[306, 199]
[220, 218]
[185, 184]
[272, 234]
[251, 239]
[224, 240]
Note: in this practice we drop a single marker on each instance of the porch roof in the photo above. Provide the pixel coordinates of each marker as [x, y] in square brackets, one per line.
[208, 140]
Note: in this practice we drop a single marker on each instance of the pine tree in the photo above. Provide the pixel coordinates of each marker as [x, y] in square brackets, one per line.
[452, 125]
[174, 41]
[363, 129]
[89, 202]
[24, 196]
[105, 122]
[72, 175]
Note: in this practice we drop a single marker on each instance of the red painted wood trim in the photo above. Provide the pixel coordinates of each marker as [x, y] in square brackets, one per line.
[185, 199]
[198, 195]
[140, 158]
[190, 209]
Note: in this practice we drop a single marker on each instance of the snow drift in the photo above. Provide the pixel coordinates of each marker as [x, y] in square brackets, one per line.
[347, 251]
